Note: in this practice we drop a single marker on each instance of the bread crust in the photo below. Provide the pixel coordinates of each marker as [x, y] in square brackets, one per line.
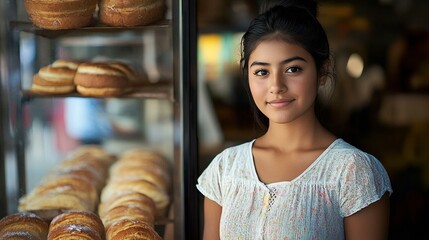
[84, 218]
[52, 201]
[131, 229]
[57, 14]
[130, 212]
[131, 13]
[104, 75]
[74, 231]
[148, 173]
[63, 63]
[127, 198]
[49, 76]
[160, 197]
[24, 224]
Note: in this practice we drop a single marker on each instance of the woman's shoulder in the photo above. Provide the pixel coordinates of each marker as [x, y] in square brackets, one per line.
[234, 155]
[350, 156]
[237, 150]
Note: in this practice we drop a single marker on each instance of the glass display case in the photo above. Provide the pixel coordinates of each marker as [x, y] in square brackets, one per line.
[158, 115]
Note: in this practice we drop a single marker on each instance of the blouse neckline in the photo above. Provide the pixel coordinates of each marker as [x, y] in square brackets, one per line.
[318, 159]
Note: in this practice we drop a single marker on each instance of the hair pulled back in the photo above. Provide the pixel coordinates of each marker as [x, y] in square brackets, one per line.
[294, 21]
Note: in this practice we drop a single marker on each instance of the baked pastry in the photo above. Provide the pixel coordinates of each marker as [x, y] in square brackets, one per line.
[58, 14]
[52, 201]
[159, 196]
[42, 86]
[130, 212]
[131, 229]
[131, 13]
[151, 173]
[63, 192]
[23, 225]
[104, 79]
[73, 231]
[144, 155]
[127, 199]
[57, 78]
[71, 223]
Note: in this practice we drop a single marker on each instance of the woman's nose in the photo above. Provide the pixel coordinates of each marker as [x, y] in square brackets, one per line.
[278, 84]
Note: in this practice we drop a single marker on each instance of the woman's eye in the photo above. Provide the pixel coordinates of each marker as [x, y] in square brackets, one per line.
[293, 69]
[260, 72]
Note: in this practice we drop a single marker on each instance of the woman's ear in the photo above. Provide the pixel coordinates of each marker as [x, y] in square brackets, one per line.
[324, 72]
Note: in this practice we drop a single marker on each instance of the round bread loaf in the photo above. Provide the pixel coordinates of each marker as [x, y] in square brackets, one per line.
[59, 75]
[104, 79]
[24, 225]
[131, 229]
[60, 14]
[86, 219]
[131, 13]
[42, 86]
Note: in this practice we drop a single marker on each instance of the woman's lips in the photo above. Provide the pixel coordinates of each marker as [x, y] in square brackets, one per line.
[280, 103]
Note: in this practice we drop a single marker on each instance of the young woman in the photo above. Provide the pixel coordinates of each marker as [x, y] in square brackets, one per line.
[297, 180]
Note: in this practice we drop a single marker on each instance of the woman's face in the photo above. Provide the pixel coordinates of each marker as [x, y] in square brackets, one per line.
[283, 80]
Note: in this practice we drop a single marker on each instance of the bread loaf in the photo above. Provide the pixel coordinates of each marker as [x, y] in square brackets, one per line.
[104, 79]
[72, 223]
[131, 229]
[23, 225]
[125, 199]
[56, 78]
[60, 14]
[130, 212]
[73, 184]
[159, 196]
[131, 12]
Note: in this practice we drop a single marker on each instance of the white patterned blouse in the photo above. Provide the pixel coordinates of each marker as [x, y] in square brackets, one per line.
[340, 182]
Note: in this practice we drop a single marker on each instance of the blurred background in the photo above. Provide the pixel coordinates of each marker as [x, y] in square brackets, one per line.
[381, 100]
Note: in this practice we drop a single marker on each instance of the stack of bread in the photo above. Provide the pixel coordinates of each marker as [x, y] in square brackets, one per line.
[131, 13]
[94, 79]
[76, 225]
[137, 189]
[60, 14]
[73, 184]
[56, 78]
[23, 225]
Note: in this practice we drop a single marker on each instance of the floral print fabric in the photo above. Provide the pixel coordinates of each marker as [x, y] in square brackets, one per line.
[340, 182]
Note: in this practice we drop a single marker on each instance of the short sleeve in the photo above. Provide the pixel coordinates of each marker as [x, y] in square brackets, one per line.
[363, 181]
[210, 181]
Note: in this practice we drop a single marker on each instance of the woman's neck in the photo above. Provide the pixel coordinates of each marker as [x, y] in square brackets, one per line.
[306, 133]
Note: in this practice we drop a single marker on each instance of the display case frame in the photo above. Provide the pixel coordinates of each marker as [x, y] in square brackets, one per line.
[183, 97]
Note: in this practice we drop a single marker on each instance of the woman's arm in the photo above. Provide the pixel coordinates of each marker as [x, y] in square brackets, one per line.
[370, 223]
[212, 212]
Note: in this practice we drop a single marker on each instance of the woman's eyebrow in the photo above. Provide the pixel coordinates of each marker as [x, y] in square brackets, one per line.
[286, 61]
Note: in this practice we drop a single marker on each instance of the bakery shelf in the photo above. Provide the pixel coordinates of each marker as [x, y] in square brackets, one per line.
[97, 28]
[152, 91]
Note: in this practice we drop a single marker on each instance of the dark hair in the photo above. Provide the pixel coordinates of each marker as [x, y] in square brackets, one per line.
[293, 21]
